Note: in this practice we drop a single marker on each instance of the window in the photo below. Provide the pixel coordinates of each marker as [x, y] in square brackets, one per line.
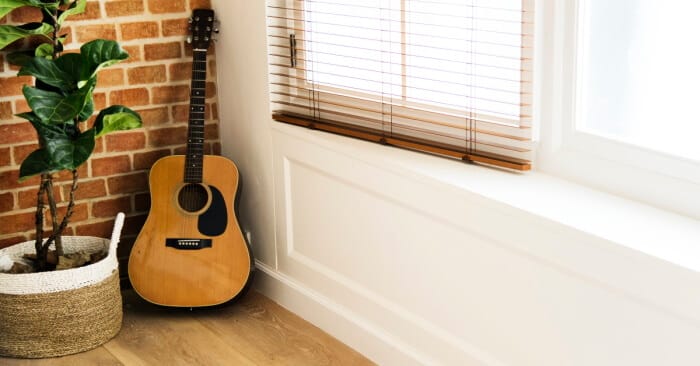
[443, 76]
[616, 96]
[639, 74]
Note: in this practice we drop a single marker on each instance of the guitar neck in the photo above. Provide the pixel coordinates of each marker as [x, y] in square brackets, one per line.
[195, 132]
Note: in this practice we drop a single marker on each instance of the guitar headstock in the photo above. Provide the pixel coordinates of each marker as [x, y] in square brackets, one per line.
[201, 28]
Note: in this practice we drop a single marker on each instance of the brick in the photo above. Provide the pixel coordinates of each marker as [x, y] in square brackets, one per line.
[146, 74]
[181, 113]
[171, 94]
[211, 131]
[216, 148]
[26, 14]
[17, 133]
[139, 30]
[129, 97]
[92, 11]
[6, 111]
[200, 4]
[123, 8]
[145, 160]
[175, 27]
[110, 165]
[210, 90]
[134, 53]
[16, 223]
[87, 189]
[125, 141]
[22, 151]
[21, 106]
[154, 116]
[166, 6]
[99, 229]
[5, 157]
[130, 183]
[67, 175]
[7, 202]
[87, 33]
[27, 198]
[99, 145]
[181, 150]
[214, 108]
[162, 51]
[212, 68]
[111, 207]
[10, 180]
[110, 77]
[12, 85]
[142, 202]
[180, 71]
[12, 240]
[48, 230]
[100, 100]
[80, 213]
[167, 136]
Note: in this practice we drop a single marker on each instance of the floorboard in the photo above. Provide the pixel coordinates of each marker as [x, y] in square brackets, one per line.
[253, 331]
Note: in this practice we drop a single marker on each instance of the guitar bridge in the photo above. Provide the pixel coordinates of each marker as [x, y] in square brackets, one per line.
[187, 244]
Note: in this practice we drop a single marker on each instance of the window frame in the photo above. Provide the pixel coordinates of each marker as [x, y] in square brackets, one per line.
[656, 178]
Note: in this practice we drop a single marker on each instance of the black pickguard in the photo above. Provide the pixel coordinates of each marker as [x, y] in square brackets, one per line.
[213, 221]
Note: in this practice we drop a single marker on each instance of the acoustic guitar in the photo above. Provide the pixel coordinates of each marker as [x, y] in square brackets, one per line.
[191, 251]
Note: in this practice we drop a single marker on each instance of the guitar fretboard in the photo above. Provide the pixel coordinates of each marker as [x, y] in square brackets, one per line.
[195, 131]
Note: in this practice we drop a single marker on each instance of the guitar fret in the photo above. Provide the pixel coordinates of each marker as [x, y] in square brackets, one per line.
[196, 134]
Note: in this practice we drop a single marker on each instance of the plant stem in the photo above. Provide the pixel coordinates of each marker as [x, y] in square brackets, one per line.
[56, 235]
[41, 251]
[54, 216]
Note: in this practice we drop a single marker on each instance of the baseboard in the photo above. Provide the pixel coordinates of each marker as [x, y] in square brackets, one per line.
[337, 320]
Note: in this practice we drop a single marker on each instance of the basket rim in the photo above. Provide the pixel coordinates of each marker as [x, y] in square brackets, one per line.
[62, 280]
[87, 237]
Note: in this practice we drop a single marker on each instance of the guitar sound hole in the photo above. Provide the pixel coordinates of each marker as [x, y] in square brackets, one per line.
[193, 197]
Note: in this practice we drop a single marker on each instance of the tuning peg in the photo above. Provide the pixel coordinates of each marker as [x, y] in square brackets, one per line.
[189, 39]
[189, 20]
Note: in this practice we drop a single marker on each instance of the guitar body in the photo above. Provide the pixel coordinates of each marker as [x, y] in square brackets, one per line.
[185, 255]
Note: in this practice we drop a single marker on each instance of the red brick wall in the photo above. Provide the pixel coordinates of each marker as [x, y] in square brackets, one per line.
[154, 81]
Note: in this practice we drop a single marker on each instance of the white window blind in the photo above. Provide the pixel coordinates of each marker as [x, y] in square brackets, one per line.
[448, 77]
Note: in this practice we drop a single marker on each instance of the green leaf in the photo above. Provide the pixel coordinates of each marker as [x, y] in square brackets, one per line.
[77, 7]
[49, 72]
[37, 162]
[30, 116]
[20, 58]
[116, 118]
[66, 147]
[99, 54]
[67, 153]
[44, 4]
[72, 64]
[7, 6]
[11, 33]
[44, 50]
[88, 109]
[55, 108]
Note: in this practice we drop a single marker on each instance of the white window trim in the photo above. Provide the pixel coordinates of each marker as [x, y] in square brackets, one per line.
[626, 170]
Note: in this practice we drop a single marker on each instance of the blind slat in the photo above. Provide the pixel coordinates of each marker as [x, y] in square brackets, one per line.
[447, 77]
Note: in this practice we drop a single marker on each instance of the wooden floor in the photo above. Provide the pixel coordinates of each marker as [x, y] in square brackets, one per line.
[253, 331]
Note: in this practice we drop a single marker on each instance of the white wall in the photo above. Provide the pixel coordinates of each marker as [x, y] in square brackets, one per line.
[412, 259]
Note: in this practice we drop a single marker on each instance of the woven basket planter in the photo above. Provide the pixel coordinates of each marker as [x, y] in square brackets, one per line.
[57, 313]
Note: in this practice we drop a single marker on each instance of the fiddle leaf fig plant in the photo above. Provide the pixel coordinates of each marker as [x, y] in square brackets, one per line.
[60, 102]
